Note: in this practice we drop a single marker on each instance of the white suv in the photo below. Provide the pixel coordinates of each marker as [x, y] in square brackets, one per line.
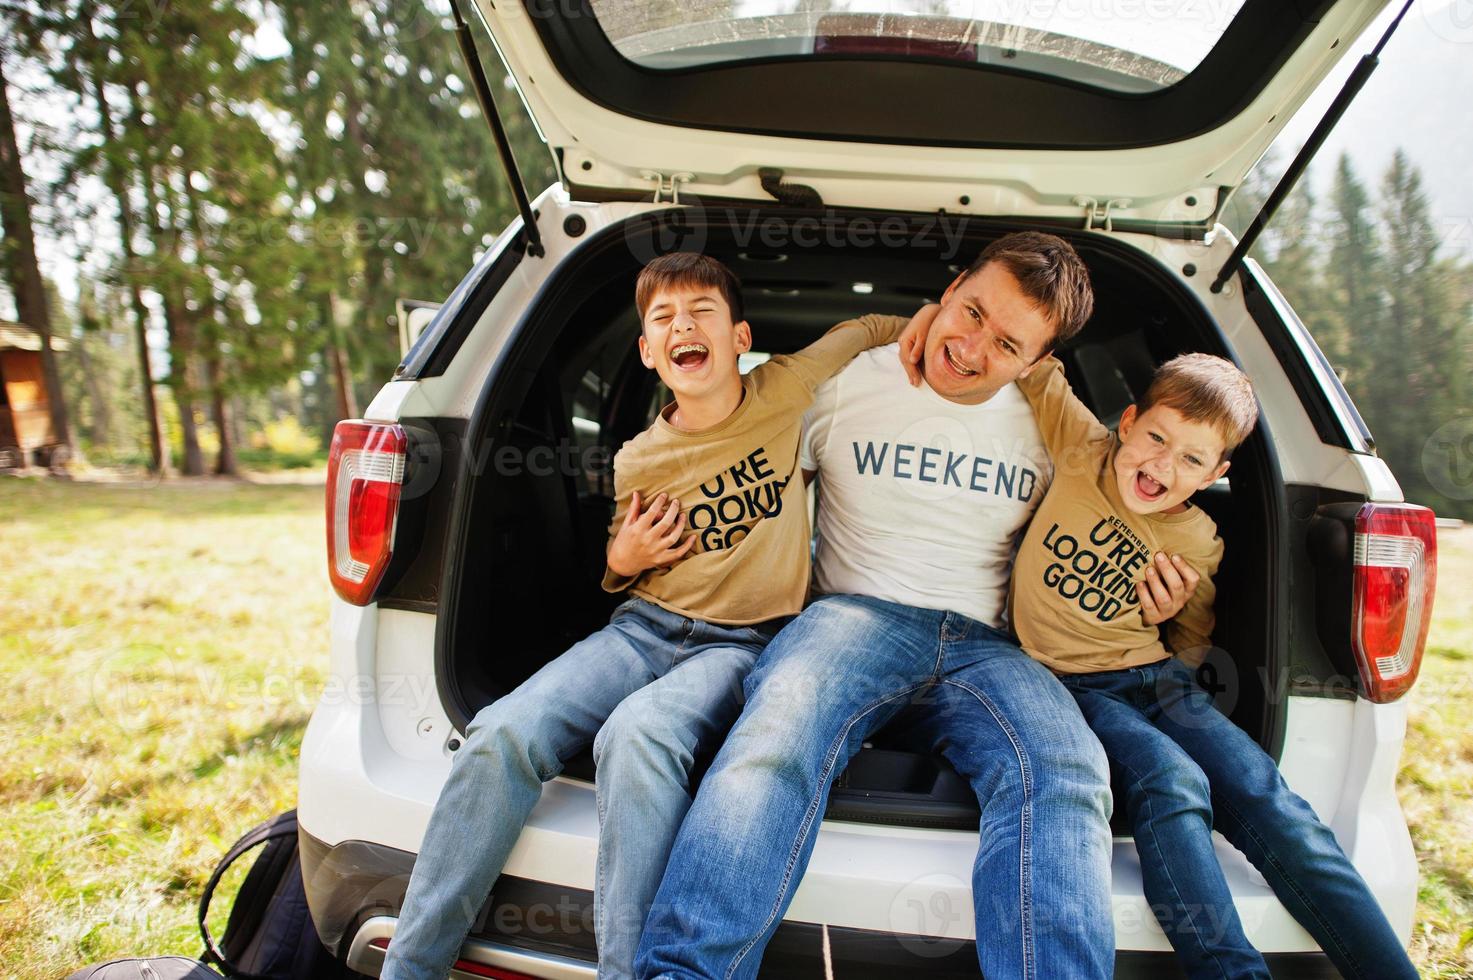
[843, 162]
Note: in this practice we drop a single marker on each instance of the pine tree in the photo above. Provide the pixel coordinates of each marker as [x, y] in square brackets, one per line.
[1355, 280]
[1297, 268]
[396, 182]
[1420, 381]
[87, 70]
[178, 96]
[18, 260]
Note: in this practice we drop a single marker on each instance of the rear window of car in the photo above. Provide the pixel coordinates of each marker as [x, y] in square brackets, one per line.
[1117, 45]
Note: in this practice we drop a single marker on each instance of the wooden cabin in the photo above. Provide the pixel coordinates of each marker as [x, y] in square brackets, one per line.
[25, 410]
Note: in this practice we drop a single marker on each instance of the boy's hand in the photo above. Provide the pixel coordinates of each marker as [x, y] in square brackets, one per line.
[913, 341]
[648, 539]
[1169, 583]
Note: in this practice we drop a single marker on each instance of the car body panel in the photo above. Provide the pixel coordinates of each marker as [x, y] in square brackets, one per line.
[1340, 755]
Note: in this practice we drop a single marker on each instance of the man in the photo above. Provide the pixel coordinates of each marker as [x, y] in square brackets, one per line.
[924, 491]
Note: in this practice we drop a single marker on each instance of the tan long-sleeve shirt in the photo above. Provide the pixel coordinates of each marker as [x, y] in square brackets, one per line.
[740, 489]
[1073, 595]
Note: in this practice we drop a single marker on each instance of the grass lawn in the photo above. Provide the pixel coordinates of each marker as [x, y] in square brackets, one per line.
[163, 647]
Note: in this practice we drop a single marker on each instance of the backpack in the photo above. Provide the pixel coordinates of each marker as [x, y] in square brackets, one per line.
[157, 968]
[269, 935]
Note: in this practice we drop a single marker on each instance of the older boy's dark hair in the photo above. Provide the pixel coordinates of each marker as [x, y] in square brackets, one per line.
[687, 270]
[1208, 389]
[1050, 273]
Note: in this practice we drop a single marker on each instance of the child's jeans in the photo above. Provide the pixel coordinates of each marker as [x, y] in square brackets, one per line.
[648, 691]
[1187, 769]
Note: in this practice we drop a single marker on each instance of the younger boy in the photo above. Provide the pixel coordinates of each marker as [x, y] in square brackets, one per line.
[664, 677]
[1119, 503]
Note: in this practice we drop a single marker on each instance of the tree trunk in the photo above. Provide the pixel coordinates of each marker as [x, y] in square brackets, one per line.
[22, 270]
[158, 458]
[101, 415]
[225, 462]
[337, 359]
[237, 420]
[193, 463]
[176, 317]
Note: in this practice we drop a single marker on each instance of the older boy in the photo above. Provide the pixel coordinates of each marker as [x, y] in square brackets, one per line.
[1119, 502]
[665, 675]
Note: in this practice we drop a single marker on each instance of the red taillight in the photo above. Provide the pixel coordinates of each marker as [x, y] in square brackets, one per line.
[365, 469]
[1395, 577]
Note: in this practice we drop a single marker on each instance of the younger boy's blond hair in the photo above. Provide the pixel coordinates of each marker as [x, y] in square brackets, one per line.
[1209, 389]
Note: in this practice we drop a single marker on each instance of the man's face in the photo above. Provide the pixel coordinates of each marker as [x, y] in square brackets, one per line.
[689, 339]
[987, 334]
[1164, 458]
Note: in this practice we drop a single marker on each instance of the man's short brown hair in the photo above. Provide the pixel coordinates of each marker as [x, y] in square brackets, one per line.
[687, 270]
[1050, 273]
[1209, 389]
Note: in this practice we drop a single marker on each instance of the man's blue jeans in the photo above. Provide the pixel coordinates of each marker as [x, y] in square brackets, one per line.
[1187, 769]
[648, 690]
[830, 678]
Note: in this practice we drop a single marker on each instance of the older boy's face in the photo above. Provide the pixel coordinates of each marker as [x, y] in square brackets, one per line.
[690, 341]
[987, 334]
[1164, 458]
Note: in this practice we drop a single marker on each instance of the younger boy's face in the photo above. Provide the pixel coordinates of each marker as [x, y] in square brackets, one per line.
[690, 341]
[1164, 458]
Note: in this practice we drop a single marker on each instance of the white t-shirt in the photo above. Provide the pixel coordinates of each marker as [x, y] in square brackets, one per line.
[921, 500]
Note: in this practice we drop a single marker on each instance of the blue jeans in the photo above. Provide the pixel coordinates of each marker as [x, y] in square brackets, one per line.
[1187, 769]
[648, 691]
[832, 677]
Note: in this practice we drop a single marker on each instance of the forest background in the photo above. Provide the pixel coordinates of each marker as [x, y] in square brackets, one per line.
[222, 203]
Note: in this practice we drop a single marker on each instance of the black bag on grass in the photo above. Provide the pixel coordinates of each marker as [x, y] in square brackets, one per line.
[157, 968]
[270, 934]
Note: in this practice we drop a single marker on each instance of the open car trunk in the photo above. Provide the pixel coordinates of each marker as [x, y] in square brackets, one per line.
[525, 557]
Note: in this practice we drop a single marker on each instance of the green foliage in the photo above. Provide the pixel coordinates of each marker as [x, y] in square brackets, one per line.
[396, 184]
[1366, 275]
[275, 204]
[278, 203]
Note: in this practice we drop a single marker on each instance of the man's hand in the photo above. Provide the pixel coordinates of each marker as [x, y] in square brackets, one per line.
[1168, 585]
[913, 341]
[648, 539]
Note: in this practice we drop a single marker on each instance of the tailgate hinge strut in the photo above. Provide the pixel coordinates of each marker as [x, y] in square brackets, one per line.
[1300, 163]
[498, 131]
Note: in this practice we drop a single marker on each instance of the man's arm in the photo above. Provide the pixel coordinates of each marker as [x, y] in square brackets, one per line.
[828, 355]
